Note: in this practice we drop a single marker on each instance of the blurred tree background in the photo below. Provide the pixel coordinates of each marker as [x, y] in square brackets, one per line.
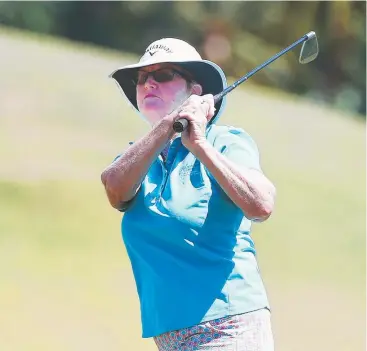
[66, 281]
[236, 35]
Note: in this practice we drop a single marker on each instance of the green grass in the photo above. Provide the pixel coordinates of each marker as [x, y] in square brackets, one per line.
[66, 280]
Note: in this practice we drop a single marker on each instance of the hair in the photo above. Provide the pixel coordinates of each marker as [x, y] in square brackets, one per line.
[189, 78]
[190, 81]
[190, 84]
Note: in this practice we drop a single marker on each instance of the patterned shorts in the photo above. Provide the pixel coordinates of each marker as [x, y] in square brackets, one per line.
[244, 332]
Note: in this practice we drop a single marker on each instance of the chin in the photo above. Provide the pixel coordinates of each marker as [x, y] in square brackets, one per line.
[153, 116]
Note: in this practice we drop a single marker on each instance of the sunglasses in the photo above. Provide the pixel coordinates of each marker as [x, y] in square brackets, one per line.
[161, 76]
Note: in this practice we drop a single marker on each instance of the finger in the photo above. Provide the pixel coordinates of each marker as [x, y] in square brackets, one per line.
[196, 116]
[188, 116]
[192, 111]
[210, 115]
[198, 105]
[207, 106]
[194, 108]
[196, 98]
[209, 98]
[211, 108]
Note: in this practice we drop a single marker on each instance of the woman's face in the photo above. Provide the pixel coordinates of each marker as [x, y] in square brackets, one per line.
[157, 99]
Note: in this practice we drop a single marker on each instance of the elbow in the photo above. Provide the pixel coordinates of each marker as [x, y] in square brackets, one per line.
[118, 194]
[108, 180]
[260, 213]
[263, 213]
[261, 210]
[113, 189]
[104, 177]
[265, 207]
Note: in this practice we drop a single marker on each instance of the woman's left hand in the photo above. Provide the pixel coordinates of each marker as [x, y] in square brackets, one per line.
[198, 110]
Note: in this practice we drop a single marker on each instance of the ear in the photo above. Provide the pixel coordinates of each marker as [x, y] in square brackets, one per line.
[196, 89]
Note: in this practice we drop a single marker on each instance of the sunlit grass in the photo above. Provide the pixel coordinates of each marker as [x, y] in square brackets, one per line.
[66, 280]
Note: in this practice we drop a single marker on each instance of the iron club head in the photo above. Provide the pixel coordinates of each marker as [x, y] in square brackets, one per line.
[309, 52]
[310, 49]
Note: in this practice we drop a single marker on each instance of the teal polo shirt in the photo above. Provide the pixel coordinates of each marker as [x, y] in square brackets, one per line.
[189, 245]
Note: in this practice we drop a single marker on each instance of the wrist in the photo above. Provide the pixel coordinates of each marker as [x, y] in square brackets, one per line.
[201, 148]
[165, 126]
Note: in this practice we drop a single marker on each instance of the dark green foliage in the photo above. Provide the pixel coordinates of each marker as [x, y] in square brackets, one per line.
[236, 35]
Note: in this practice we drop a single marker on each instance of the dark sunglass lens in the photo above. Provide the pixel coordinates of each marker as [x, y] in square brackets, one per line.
[160, 76]
[163, 76]
[141, 78]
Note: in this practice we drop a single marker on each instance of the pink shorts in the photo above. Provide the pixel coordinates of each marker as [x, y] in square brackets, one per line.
[243, 332]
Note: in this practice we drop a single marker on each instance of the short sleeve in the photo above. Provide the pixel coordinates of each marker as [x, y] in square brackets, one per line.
[238, 146]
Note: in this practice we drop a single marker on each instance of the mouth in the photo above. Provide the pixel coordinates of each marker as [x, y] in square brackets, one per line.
[150, 96]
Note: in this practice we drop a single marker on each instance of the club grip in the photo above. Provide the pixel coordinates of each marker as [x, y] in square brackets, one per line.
[181, 124]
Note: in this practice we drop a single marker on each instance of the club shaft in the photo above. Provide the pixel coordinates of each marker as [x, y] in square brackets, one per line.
[258, 68]
[181, 124]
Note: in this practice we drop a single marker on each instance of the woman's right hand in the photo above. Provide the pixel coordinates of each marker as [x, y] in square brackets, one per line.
[195, 108]
[198, 110]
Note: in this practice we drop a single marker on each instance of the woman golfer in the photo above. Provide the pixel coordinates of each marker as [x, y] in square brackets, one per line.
[188, 203]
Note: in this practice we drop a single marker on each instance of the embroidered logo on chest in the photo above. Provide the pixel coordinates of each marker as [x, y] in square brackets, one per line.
[191, 173]
[184, 172]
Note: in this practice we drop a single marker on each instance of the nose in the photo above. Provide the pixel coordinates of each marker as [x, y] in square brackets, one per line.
[150, 82]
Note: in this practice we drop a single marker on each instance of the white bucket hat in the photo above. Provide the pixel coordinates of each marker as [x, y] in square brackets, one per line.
[170, 50]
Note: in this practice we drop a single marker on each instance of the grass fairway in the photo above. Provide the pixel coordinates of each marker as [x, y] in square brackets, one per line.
[66, 282]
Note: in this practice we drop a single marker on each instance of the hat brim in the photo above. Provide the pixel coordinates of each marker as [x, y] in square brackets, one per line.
[209, 75]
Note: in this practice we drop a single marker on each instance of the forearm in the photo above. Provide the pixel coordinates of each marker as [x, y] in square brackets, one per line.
[249, 189]
[122, 178]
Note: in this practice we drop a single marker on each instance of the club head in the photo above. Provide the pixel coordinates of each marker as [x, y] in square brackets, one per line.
[310, 49]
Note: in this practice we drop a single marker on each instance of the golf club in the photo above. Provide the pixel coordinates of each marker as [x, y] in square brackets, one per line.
[309, 52]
